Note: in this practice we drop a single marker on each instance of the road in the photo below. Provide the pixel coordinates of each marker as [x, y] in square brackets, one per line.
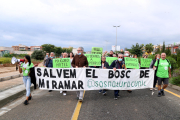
[138, 105]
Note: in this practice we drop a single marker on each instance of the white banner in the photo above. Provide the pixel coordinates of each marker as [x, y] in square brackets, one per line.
[74, 79]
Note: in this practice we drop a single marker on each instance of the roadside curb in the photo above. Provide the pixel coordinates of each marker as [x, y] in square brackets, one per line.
[10, 77]
[13, 95]
[174, 87]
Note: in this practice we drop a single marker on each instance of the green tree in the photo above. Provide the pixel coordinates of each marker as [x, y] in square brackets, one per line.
[136, 49]
[58, 51]
[48, 48]
[38, 55]
[163, 48]
[168, 52]
[149, 48]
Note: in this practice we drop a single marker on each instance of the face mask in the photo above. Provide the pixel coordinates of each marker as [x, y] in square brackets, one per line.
[52, 57]
[158, 58]
[79, 53]
[46, 55]
[126, 54]
[120, 59]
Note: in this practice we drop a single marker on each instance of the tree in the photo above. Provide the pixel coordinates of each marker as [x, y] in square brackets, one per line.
[48, 48]
[136, 49]
[149, 48]
[168, 52]
[38, 55]
[58, 51]
[163, 48]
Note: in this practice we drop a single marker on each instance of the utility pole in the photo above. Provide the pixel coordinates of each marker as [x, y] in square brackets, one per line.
[116, 36]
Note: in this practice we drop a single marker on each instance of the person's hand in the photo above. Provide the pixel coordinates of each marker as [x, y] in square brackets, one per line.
[105, 52]
[114, 69]
[125, 68]
[84, 67]
[134, 68]
[170, 75]
[104, 67]
[94, 66]
[76, 66]
[154, 68]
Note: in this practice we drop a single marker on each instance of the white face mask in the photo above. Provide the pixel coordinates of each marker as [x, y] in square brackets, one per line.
[126, 54]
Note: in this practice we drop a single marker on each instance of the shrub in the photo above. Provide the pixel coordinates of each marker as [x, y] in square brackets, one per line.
[38, 55]
[173, 62]
[151, 57]
[175, 80]
[4, 60]
[178, 60]
[174, 56]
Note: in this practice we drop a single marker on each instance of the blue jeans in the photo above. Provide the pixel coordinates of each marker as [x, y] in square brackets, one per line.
[116, 93]
[27, 83]
[102, 90]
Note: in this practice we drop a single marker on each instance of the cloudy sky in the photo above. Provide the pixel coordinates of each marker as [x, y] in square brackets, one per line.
[89, 23]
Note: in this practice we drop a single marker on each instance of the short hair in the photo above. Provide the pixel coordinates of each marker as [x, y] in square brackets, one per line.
[120, 54]
[162, 53]
[81, 48]
[52, 52]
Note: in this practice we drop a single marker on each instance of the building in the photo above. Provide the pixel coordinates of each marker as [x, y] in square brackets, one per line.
[20, 47]
[33, 48]
[23, 52]
[5, 50]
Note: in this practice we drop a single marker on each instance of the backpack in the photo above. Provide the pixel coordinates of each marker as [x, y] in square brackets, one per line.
[158, 63]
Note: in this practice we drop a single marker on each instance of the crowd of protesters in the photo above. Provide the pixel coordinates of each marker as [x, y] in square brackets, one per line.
[160, 64]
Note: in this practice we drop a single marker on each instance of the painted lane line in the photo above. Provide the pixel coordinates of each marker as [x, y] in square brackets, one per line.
[172, 93]
[77, 109]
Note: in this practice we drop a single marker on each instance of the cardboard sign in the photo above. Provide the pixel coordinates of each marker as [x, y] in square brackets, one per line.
[131, 63]
[93, 59]
[145, 62]
[97, 50]
[62, 63]
[110, 59]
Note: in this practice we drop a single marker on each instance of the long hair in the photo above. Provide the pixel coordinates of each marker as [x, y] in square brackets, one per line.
[72, 54]
[28, 58]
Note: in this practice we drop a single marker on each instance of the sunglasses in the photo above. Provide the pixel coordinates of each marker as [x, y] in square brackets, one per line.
[120, 57]
[78, 50]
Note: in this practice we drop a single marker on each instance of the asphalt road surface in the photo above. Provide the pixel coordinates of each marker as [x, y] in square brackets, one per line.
[138, 105]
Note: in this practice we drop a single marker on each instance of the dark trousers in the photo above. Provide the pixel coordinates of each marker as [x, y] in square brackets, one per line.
[155, 80]
[102, 91]
[116, 93]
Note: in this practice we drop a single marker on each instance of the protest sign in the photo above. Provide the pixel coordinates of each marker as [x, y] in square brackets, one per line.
[145, 62]
[97, 50]
[110, 59]
[75, 79]
[62, 63]
[131, 62]
[93, 59]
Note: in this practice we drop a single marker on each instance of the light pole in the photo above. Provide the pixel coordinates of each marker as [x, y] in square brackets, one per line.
[116, 36]
[106, 44]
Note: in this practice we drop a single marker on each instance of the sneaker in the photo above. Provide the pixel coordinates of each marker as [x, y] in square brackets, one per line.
[50, 90]
[99, 91]
[80, 100]
[155, 89]
[30, 97]
[61, 91]
[104, 94]
[26, 102]
[159, 94]
[151, 89]
[162, 93]
[64, 94]
[115, 98]
[118, 96]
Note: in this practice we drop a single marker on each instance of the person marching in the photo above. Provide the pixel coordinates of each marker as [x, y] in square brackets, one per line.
[80, 61]
[104, 65]
[46, 57]
[25, 69]
[157, 56]
[117, 64]
[71, 55]
[163, 67]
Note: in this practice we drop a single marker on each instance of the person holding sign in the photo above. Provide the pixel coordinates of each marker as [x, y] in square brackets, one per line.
[25, 69]
[157, 56]
[126, 54]
[117, 64]
[163, 67]
[104, 65]
[110, 53]
[145, 56]
[49, 62]
[80, 61]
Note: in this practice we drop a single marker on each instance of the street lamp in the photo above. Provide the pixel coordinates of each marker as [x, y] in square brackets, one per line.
[116, 36]
[106, 44]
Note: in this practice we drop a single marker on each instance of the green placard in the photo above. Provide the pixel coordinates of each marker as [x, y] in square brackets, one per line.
[93, 59]
[62, 63]
[97, 50]
[131, 63]
[110, 59]
[145, 62]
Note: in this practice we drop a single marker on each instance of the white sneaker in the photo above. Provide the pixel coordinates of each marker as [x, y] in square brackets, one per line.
[151, 89]
[155, 89]
[64, 94]
[61, 91]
